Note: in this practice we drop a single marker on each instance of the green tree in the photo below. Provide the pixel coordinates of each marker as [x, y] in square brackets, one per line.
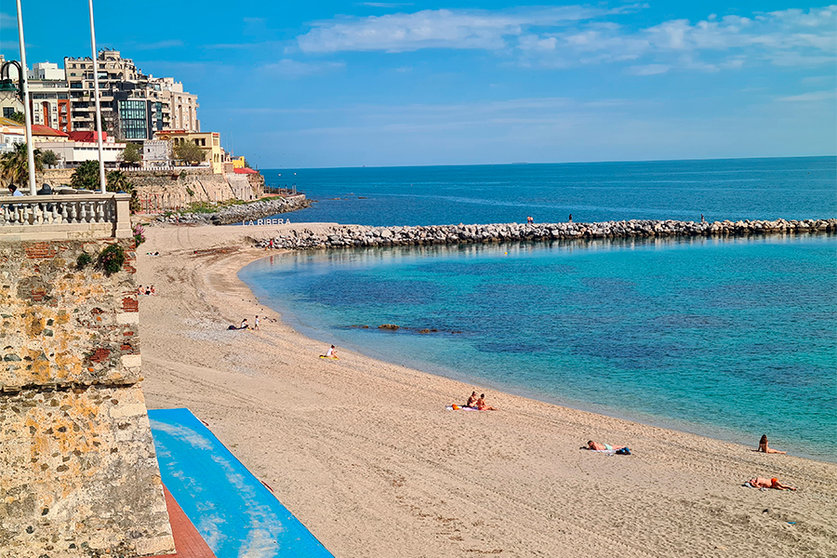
[18, 117]
[189, 152]
[131, 154]
[49, 158]
[86, 176]
[14, 165]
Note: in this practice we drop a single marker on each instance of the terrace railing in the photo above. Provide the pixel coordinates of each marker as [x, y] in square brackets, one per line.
[65, 216]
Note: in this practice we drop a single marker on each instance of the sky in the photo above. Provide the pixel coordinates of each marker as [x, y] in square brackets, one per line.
[334, 84]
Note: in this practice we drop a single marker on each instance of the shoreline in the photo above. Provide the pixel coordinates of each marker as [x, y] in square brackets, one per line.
[717, 432]
[363, 453]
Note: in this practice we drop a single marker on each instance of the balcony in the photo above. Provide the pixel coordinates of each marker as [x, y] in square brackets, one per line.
[64, 217]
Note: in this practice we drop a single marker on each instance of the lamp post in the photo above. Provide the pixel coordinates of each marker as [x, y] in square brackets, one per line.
[24, 81]
[102, 186]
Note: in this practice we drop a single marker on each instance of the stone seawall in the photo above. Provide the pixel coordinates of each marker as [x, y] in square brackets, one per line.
[78, 472]
[343, 236]
[163, 191]
[244, 212]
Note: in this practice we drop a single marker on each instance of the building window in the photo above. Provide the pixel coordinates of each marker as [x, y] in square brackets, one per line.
[133, 116]
[8, 112]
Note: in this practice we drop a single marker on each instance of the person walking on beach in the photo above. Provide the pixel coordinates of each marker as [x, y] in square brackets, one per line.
[764, 448]
[256, 323]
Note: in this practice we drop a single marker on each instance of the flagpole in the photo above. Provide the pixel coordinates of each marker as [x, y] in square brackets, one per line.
[96, 92]
[27, 110]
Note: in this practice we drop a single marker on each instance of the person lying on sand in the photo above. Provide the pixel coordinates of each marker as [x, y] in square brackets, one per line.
[761, 482]
[472, 401]
[595, 446]
[763, 447]
[480, 404]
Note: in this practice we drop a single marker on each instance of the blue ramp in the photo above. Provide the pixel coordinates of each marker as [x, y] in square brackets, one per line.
[234, 513]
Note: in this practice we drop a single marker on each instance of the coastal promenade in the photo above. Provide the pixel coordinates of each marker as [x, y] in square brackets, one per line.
[364, 453]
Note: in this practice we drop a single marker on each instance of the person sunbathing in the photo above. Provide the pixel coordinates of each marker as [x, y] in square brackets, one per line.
[480, 404]
[764, 448]
[761, 482]
[472, 401]
[595, 446]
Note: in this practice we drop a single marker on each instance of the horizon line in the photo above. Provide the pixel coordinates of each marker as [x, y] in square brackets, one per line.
[552, 163]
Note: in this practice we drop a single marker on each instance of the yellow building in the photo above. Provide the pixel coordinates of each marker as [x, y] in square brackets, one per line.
[209, 142]
[239, 162]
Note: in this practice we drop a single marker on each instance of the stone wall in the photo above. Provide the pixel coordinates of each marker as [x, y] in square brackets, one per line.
[168, 190]
[79, 473]
[244, 212]
[345, 236]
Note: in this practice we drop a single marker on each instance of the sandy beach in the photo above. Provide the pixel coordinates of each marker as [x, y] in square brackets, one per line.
[364, 453]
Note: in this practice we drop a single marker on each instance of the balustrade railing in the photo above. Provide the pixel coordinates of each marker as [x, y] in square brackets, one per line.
[74, 210]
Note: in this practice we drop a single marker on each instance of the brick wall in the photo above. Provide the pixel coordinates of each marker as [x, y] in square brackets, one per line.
[79, 474]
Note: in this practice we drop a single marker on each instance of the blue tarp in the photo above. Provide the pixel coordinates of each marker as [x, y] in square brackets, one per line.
[234, 513]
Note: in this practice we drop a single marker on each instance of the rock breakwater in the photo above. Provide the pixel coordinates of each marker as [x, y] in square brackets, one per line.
[243, 212]
[346, 236]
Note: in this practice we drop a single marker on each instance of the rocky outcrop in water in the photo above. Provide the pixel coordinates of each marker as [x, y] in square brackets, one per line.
[344, 236]
[242, 213]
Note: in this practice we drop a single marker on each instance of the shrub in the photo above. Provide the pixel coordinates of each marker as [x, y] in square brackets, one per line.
[139, 234]
[110, 259]
[84, 259]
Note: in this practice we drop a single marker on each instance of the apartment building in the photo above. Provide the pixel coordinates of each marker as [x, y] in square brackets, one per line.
[209, 142]
[134, 105]
[49, 96]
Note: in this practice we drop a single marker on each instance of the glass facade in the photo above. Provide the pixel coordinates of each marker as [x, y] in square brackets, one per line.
[133, 115]
[158, 111]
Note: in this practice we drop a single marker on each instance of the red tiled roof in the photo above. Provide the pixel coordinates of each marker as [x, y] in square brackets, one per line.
[245, 171]
[87, 135]
[41, 130]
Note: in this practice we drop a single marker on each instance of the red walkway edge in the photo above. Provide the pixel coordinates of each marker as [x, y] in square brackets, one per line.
[187, 541]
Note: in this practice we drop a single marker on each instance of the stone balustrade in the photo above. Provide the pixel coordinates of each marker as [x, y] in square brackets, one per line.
[60, 217]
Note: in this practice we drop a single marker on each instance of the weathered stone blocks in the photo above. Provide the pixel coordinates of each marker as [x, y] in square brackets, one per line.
[78, 472]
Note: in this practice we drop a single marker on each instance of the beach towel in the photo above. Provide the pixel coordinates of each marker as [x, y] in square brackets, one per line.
[455, 407]
[329, 357]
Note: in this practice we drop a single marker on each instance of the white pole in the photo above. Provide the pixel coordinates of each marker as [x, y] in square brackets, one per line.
[96, 92]
[24, 80]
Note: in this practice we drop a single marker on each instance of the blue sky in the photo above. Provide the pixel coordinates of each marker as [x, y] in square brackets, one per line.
[397, 83]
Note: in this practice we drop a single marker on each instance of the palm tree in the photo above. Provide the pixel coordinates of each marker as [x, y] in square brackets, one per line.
[117, 181]
[14, 165]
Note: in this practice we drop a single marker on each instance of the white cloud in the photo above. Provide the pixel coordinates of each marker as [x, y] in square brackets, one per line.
[567, 36]
[293, 68]
[7, 21]
[648, 69]
[455, 29]
[814, 96]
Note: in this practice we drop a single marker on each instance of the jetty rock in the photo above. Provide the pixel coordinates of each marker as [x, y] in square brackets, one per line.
[348, 236]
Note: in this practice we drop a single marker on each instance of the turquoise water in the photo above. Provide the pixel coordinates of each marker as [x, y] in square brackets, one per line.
[730, 339]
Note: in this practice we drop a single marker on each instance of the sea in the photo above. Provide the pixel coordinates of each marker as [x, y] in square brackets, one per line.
[728, 338]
